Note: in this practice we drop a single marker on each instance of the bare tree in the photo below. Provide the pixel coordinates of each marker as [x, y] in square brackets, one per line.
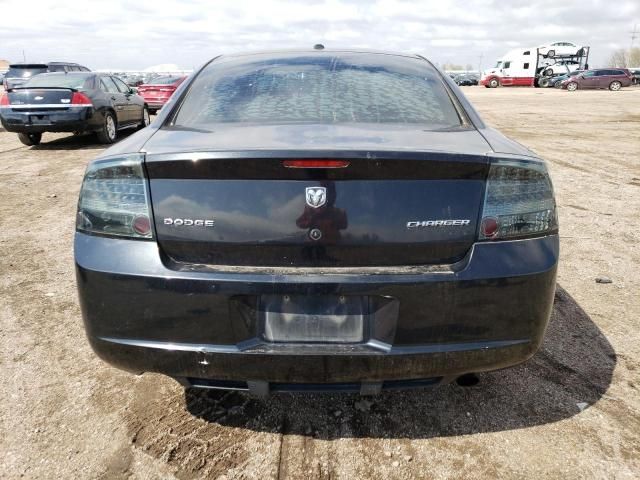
[618, 58]
[625, 58]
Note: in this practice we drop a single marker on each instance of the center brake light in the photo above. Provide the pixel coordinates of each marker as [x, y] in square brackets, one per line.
[315, 163]
[79, 98]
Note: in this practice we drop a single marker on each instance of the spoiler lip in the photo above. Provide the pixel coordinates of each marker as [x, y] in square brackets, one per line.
[42, 88]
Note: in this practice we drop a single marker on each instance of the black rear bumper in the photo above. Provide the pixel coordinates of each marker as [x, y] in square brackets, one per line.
[488, 312]
[75, 120]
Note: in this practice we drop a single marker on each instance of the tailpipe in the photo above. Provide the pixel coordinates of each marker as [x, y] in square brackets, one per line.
[468, 380]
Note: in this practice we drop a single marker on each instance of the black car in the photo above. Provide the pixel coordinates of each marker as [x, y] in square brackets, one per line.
[635, 74]
[20, 73]
[72, 102]
[558, 79]
[465, 80]
[316, 220]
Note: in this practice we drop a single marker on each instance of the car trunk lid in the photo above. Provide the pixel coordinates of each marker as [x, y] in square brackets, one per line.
[381, 207]
[35, 99]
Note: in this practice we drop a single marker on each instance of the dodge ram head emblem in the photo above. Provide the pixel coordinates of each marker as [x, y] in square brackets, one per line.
[316, 196]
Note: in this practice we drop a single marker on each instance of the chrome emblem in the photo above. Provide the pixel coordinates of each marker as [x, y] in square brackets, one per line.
[316, 196]
[38, 98]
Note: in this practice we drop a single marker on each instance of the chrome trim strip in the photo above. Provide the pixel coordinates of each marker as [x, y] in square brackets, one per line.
[262, 348]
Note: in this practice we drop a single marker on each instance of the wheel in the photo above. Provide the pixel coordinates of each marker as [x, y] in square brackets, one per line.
[146, 120]
[544, 82]
[108, 132]
[30, 139]
[615, 86]
[572, 86]
[548, 72]
[551, 53]
[493, 83]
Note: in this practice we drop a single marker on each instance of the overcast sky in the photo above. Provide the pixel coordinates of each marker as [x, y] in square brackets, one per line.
[136, 34]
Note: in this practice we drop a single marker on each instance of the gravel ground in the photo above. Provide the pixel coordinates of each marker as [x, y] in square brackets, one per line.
[573, 411]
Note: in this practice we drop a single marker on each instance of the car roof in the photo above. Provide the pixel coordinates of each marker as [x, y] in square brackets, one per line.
[28, 65]
[323, 51]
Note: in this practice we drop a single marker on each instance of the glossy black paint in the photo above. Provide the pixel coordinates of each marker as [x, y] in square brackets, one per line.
[141, 313]
[57, 115]
[172, 305]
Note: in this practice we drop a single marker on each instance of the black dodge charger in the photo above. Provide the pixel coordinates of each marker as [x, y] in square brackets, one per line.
[72, 102]
[316, 220]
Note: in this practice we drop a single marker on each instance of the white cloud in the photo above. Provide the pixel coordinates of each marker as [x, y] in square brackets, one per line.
[137, 34]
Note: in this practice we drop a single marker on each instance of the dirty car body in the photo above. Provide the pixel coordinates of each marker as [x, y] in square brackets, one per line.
[321, 220]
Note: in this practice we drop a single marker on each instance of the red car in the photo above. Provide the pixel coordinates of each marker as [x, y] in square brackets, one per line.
[611, 78]
[157, 93]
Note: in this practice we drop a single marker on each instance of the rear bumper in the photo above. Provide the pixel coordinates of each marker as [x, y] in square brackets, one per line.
[488, 312]
[78, 119]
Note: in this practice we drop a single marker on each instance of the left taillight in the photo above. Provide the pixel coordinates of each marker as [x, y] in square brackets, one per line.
[80, 99]
[519, 201]
[4, 100]
[114, 200]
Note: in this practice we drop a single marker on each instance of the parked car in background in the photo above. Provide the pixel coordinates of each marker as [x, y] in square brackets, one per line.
[72, 102]
[159, 90]
[559, 49]
[20, 73]
[611, 78]
[635, 74]
[316, 220]
[465, 80]
[556, 82]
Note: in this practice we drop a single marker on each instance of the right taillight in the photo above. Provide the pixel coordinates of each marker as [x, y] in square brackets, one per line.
[4, 100]
[79, 99]
[518, 201]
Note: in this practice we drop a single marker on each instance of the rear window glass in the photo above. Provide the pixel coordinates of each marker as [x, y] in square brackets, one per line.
[164, 80]
[27, 72]
[76, 81]
[319, 88]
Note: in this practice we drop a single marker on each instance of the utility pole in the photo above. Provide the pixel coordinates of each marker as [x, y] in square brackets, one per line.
[634, 34]
[480, 63]
[24, 57]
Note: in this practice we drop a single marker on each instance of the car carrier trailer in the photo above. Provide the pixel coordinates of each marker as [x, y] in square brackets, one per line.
[528, 67]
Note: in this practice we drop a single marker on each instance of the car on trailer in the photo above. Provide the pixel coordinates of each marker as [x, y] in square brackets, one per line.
[338, 220]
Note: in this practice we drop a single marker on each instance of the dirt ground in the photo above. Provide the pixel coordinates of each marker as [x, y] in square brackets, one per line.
[573, 411]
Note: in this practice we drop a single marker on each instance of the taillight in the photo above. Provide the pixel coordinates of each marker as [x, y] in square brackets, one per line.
[114, 200]
[80, 99]
[518, 202]
[4, 100]
[315, 163]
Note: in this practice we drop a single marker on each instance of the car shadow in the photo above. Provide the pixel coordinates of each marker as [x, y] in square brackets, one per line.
[572, 371]
[88, 141]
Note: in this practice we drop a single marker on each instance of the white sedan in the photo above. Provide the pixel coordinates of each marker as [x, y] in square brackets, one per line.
[559, 49]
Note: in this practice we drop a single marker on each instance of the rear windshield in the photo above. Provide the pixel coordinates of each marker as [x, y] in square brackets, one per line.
[319, 88]
[25, 72]
[163, 80]
[77, 81]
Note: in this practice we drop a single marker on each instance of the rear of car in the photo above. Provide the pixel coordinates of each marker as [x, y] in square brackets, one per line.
[316, 221]
[159, 90]
[49, 103]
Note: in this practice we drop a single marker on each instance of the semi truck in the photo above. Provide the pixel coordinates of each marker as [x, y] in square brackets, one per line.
[533, 67]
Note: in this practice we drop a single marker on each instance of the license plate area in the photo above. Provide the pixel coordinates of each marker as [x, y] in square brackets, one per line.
[39, 119]
[314, 318]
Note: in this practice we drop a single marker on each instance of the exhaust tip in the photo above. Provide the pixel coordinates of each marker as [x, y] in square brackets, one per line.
[468, 380]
